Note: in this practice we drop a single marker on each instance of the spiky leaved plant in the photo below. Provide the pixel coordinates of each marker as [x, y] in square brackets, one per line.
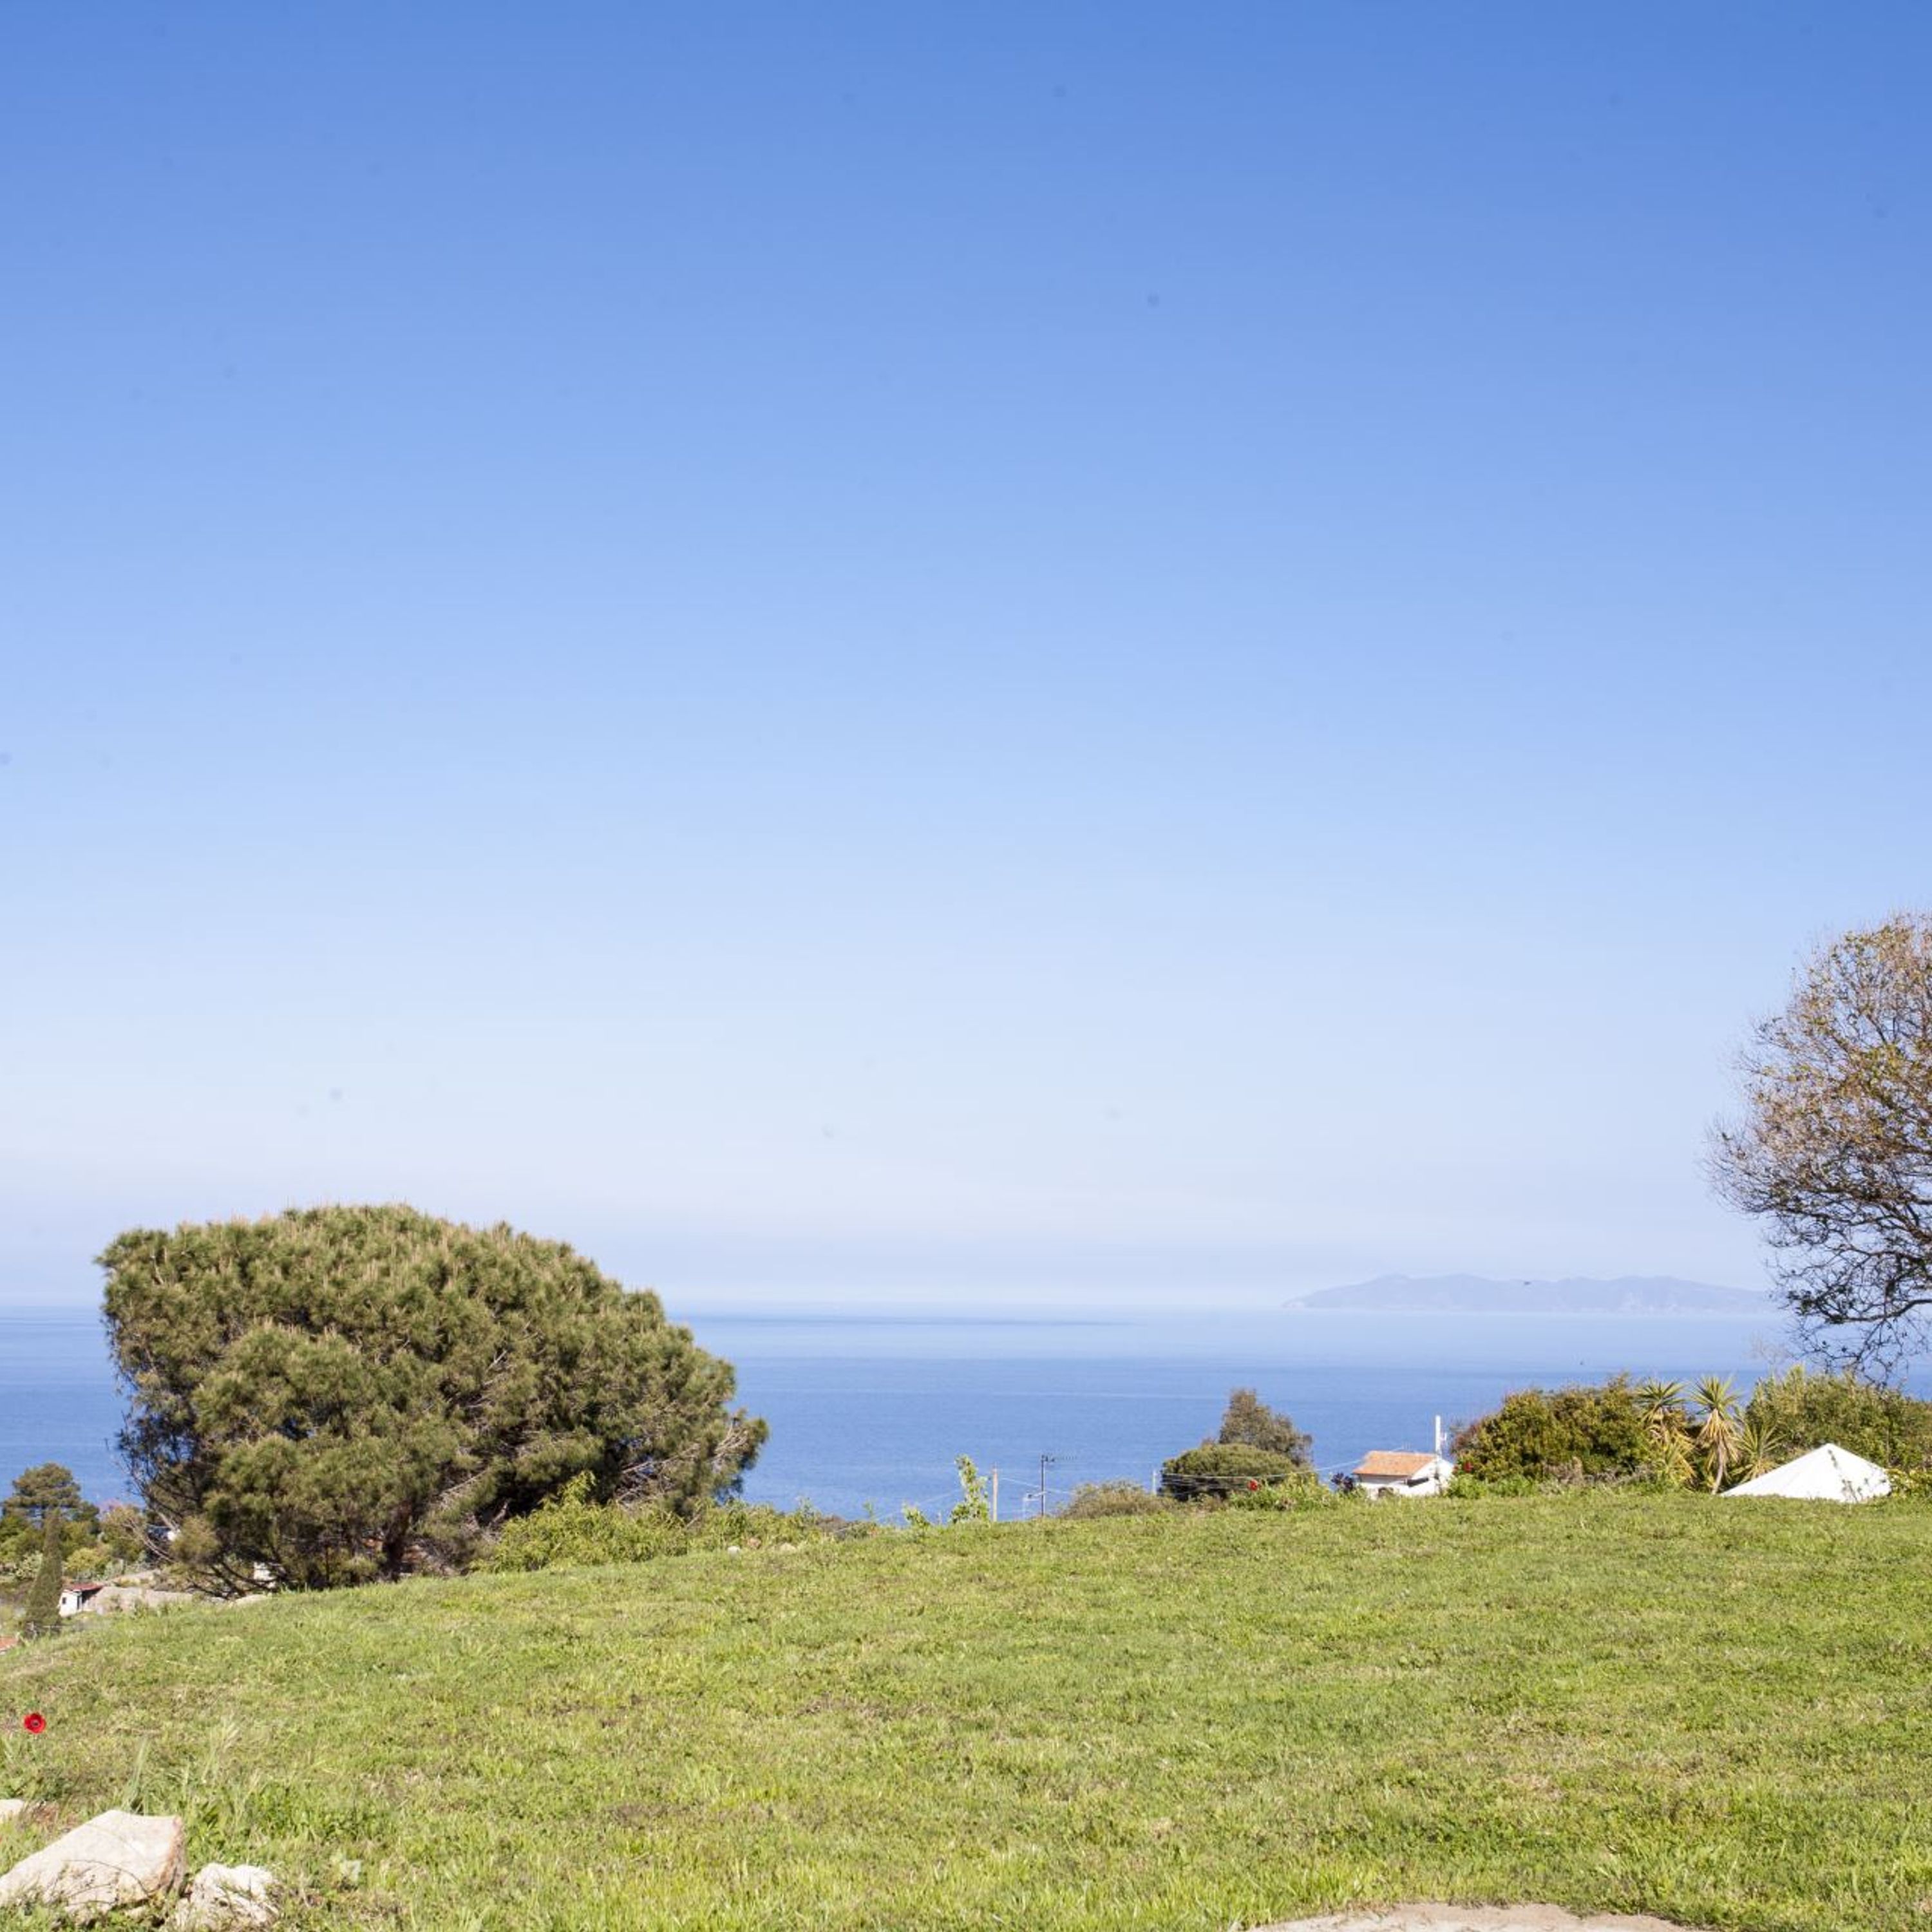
[1759, 1447]
[1719, 1431]
[1667, 1429]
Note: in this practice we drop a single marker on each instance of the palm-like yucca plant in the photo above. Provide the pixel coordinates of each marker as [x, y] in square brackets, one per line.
[1719, 1432]
[1759, 1447]
[1655, 1397]
[1661, 1405]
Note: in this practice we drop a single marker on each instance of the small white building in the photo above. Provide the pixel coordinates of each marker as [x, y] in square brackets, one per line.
[76, 1598]
[1402, 1472]
[1828, 1474]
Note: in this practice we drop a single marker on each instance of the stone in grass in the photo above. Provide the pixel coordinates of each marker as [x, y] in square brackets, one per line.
[12, 1810]
[227, 1898]
[116, 1860]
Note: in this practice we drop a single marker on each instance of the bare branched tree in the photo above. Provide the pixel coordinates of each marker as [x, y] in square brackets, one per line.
[1833, 1151]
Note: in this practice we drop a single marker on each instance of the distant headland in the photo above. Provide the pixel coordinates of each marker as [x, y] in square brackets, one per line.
[1476, 1294]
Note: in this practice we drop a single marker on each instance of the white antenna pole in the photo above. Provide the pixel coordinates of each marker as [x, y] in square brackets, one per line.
[1438, 1438]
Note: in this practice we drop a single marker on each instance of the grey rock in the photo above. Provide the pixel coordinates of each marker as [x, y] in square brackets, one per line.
[228, 1898]
[116, 1860]
[12, 1810]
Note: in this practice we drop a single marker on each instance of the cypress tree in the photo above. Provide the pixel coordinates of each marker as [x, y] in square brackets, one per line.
[42, 1616]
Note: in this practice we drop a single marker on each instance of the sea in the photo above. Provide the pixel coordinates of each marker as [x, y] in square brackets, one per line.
[869, 1413]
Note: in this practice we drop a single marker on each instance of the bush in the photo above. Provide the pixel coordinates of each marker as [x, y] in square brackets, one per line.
[1803, 1411]
[756, 1526]
[573, 1530]
[1117, 1497]
[1218, 1469]
[1565, 1435]
[1303, 1490]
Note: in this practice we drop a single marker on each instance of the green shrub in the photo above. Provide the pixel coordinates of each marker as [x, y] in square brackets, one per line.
[1303, 1489]
[1117, 1497]
[1217, 1469]
[743, 1525]
[1803, 1410]
[1565, 1435]
[1464, 1488]
[573, 1528]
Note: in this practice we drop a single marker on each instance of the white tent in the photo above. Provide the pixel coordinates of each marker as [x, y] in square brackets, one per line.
[1827, 1475]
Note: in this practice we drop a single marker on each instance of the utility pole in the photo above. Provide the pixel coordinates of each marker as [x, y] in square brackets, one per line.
[993, 1496]
[1044, 1460]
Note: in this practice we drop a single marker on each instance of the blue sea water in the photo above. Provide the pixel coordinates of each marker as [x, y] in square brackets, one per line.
[868, 1412]
[57, 1399]
[872, 1412]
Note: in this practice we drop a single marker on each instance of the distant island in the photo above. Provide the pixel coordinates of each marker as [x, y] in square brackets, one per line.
[1476, 1295]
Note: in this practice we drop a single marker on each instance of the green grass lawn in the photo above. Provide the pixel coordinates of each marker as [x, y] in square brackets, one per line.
[1718, 1712]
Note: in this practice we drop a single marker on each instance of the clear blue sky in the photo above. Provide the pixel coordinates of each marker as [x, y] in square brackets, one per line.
[915, 652]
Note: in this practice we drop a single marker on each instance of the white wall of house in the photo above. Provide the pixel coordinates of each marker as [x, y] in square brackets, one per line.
[1429, 1481]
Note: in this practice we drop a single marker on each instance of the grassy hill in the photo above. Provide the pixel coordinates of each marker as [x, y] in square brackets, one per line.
[1710, 1710]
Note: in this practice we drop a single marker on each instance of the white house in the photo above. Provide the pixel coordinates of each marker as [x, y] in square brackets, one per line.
[1402, 1472]
[1828, 1474]
[78, 1596]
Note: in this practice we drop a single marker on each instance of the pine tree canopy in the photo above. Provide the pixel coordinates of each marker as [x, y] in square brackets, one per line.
[336, 1393]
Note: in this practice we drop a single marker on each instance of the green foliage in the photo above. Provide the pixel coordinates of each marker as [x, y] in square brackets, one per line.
[1217, 1469]
[1117, 1497]
[1671, 1452]
[1911, 1486]
[48, 1489]
[973, 1505]
[123, 1534]
[343, 1393]
[1465, 1488]
[573, 1530]
[1651, 1431]
[1718, 1430]
[1565, 1434]
[1760, 1448]
[1806, 1410]
[41, 1616]
[1303, 1490]
[1249, 1422]
[734, 1524]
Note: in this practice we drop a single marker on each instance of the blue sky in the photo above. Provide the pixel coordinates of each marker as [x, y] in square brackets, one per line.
[916, 654]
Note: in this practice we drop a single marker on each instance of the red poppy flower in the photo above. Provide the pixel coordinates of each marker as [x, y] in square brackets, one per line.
[34, 1722]
[1252, 1483]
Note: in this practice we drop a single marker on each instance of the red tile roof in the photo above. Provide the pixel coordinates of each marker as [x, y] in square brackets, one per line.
[1393, 1463]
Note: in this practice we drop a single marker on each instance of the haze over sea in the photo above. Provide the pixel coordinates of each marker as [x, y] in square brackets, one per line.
[872, 1409]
